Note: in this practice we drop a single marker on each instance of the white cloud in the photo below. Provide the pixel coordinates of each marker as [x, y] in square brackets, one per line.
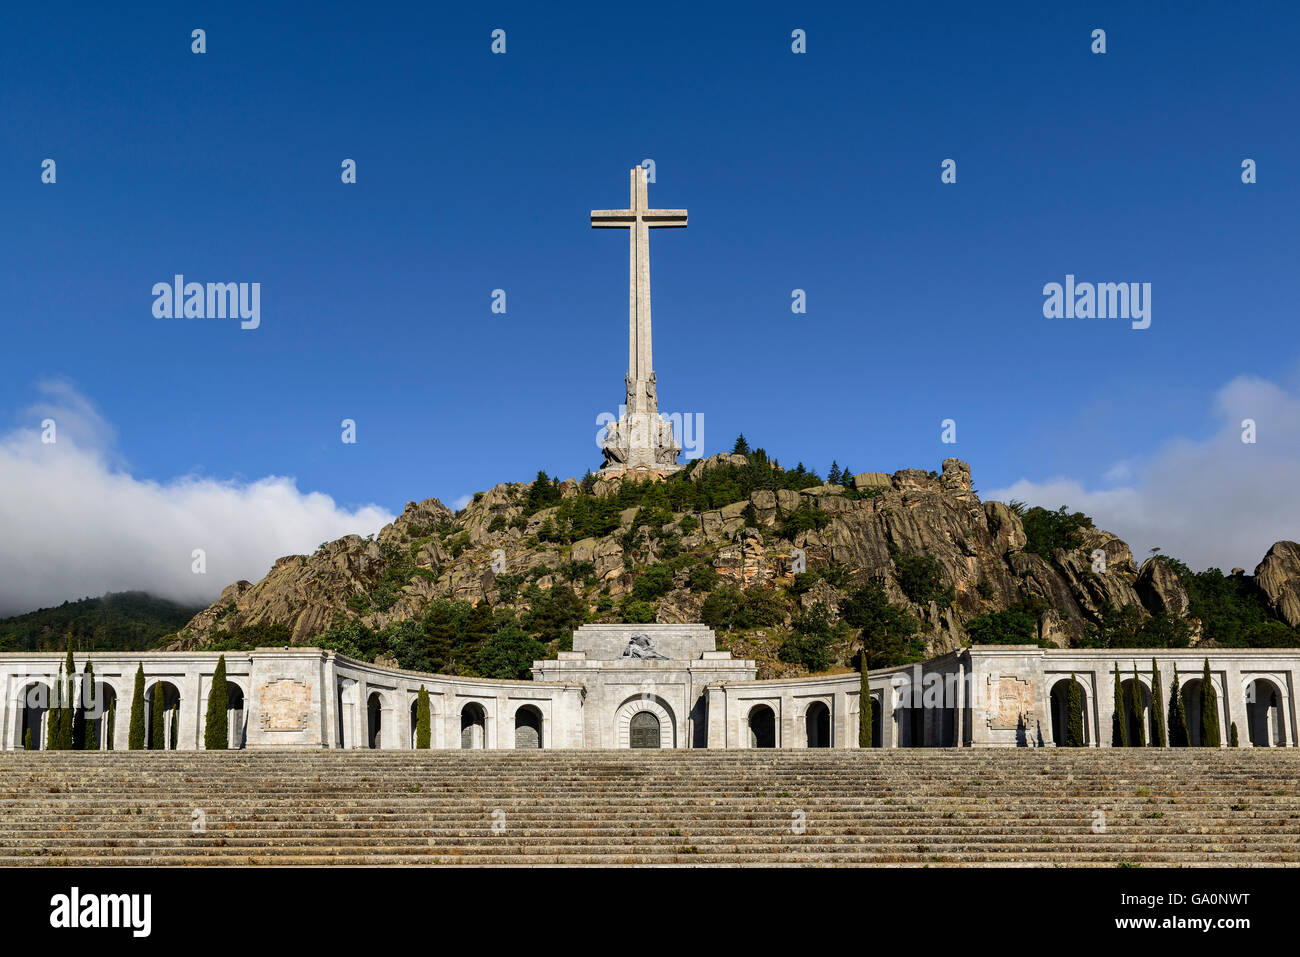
[461, 502]
[76, 523]
[1212, 502]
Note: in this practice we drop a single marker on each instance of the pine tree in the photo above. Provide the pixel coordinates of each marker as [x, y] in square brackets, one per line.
[135, 741]
[1158, 737]
[865, 731]
[846, 477]
[741, 447]
[1135, 702]
[422, 719]
[1232, 735]
[1119, 726]
[1074, 727]
[1209, 712]
[216, 729]
[833, 476]
[89, 726]
[1178, 737]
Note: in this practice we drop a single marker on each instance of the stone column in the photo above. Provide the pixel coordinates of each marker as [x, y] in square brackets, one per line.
[844, 734]
[717, 717]
[959, 707]
[122, 718]
[189, 735]
[1234, 706]
[1104, 691]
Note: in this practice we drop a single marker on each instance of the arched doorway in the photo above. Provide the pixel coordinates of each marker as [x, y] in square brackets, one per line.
[643, 730]
[374, 721]
[762, 727]
[1191, 692]
[415, 704]
[101, 717]
[33, 712]
[528, 728]
[877, 732]
[1060, 703]
[473, 726]
[1137, 726]
[817, 723]
[1265, 725]
[235, 714]
[164, 736]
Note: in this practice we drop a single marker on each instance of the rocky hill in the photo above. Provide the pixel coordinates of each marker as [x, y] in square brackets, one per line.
[775, 563]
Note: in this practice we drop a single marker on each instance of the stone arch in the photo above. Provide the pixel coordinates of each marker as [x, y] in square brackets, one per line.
[1060, 708]
[762, 726]
[102, 714]
[817, 725]
[473, 726]
[236, 714]
[1265, 722]
[1132, 724]
[346, 701]
[653, 705]
[1191, 692]
[375, 720]
[171, 699]
[33, 712]
[909, 716]
[528, 728]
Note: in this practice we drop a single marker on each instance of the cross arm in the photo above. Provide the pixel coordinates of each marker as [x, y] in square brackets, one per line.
[612, 218]
[664, 217]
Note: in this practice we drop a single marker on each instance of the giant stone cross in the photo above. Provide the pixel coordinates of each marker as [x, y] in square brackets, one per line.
[641, 440]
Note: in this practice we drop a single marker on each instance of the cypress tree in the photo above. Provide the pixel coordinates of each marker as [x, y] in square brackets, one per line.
[1232, 735]
[1158, 737]
[54, 716]
[1074, 727]
[1178, 737]
[1119, 726]
[135, 740]
[422, 719]
[1135, 700]
[157, 720]
[176, 726]
[865, 731]
[27, 740]
[89, 726]
[1209, 712]
[216, 729]
[69, 706]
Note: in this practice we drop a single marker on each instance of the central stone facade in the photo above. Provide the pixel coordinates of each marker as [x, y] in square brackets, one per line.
[639, 679]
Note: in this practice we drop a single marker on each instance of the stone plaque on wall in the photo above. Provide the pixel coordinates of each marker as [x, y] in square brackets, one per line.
[1013, 699]
[285, 705]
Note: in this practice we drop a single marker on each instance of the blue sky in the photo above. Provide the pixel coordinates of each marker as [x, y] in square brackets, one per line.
[817, 171]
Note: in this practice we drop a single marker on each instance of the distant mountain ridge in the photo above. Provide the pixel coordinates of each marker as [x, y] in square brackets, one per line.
[116, 621]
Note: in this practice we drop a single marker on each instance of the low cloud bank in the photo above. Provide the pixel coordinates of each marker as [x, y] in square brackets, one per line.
[1215, 502]
[75, 523]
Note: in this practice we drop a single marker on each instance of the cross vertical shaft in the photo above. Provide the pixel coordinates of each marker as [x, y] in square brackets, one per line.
[638, 219]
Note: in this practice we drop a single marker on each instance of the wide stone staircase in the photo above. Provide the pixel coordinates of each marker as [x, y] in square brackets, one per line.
[922, 807]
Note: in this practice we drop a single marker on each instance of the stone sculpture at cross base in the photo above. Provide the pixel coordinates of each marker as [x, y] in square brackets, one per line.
[641, 441]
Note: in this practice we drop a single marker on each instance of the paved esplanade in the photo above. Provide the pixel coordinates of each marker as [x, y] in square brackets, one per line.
[641, 439]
